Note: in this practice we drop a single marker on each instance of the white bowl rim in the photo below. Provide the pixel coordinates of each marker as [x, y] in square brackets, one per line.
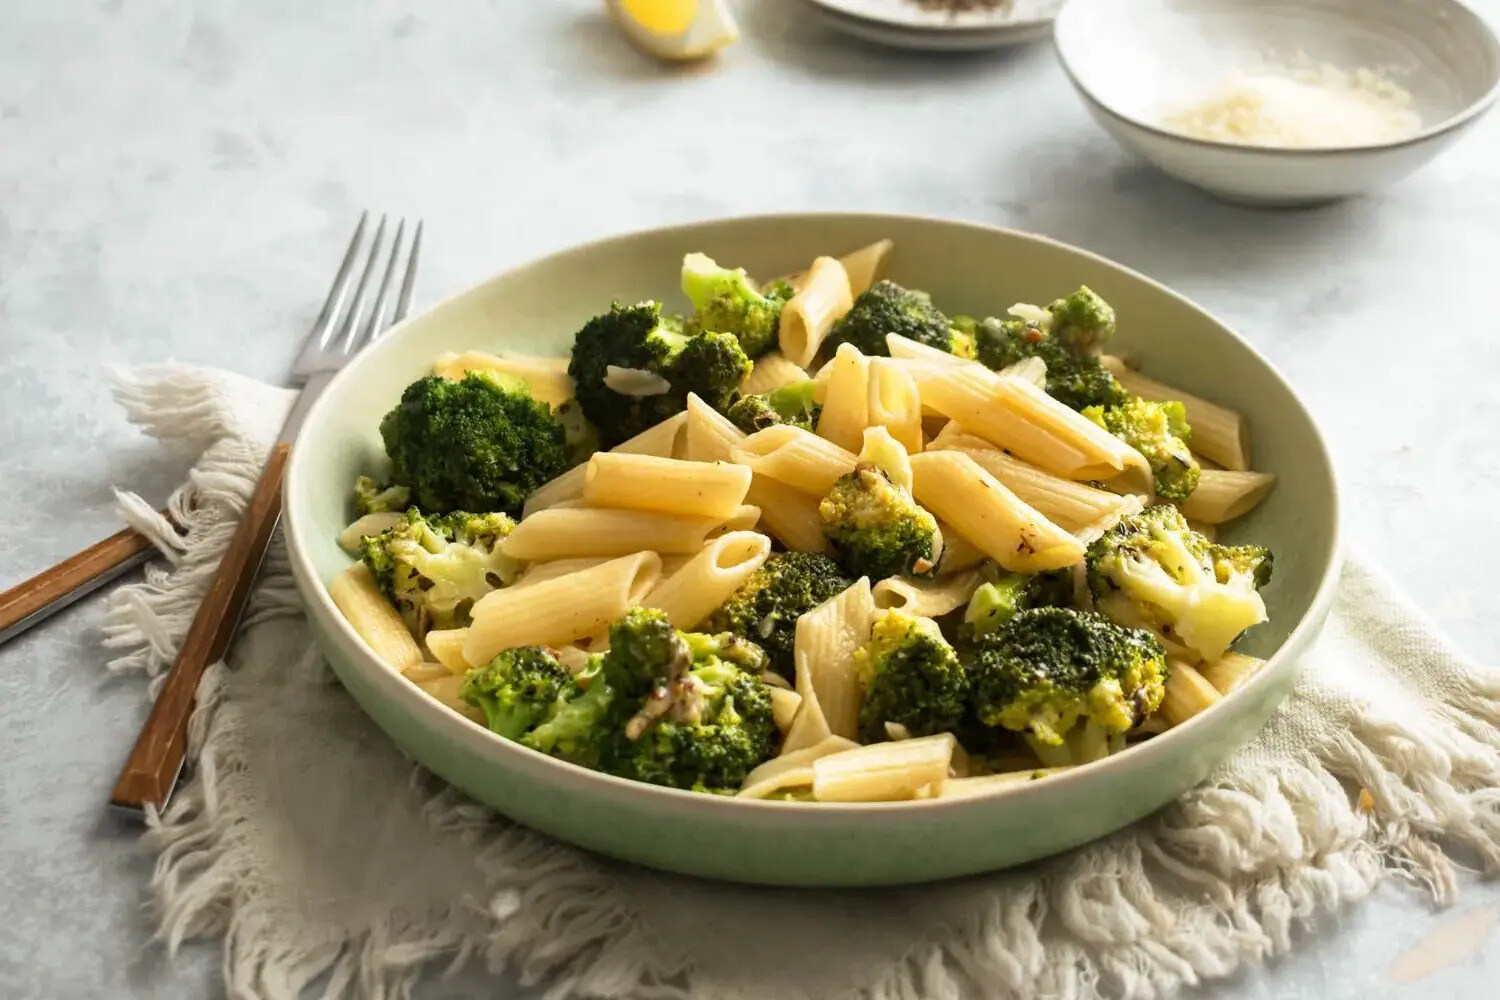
[1450, 124]
[486, 743]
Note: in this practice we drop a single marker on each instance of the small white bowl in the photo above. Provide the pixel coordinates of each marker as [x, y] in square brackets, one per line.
[1135, 61]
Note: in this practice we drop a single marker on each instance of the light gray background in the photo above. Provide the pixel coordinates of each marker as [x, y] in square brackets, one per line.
[178, 179]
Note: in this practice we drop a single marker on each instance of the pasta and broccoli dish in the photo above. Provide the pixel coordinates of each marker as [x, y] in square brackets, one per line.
[815, 540]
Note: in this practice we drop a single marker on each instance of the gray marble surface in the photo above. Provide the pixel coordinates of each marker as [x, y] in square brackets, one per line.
[177, 179]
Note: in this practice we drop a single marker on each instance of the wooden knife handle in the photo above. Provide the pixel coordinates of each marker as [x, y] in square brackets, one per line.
[154, 763]
[72, 575]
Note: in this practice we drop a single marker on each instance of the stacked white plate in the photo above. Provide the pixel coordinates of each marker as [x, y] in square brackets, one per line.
[908, 24]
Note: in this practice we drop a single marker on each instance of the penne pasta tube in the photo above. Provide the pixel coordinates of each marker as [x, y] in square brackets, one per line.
[743, 518]
[798, 458]
[846, 399]
[447, 647]
[373, 618]
[791, 769]
[663, 441]
[867, 265]
[546, 379]
[784, 705]
[443, 687]
[981, 509]
[1218, 433]
[1187, 694]
[827, 638]
[1016, 416]
[570, 532]
[559, 611]
[539, 571]
[810, 314]
[885, 772]
[1230, 671]
[960, 788]
[773, 371]
[667, 485]
[1223, 496]
[959, 554]
[708, 579]
[894, 403]
[790, 516]
[927, 598]
[908, 350]
[708, 435]
[352, 538]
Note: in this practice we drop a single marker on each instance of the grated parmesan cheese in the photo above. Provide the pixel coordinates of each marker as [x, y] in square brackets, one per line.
[1309, 108]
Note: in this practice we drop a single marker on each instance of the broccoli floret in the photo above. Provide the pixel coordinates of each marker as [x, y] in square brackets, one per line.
[1153, 571]
[1082, 322]
[518, 690]
[581, 729]
[885, 307]
[580, 440]
[791, 404]
[655, 363]
[372, 498]
[1074, 380]
[433, 568]
[998, 600]
[1046, 669]
[480, 443]
[727, 301]
[1159, 431]
[766, 608]
[876, 528]
[909, 676]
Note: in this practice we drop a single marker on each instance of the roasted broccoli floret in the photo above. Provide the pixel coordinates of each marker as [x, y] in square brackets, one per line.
[766, 608]
[998, 599]
[633, 368]
[433, 568]
[1045, 670]
[480, 443]
[372, 498]
[583, 727]
[1159, 431]
[727, 301]
[909, 676]
[1074, 380]
[876, 528]
[1082, 322]
[700, 716]
[885, 307]
[791, 404]
[518, 690]
[1153, 571]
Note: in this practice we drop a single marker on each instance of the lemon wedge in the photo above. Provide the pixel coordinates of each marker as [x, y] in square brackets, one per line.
[680, 30]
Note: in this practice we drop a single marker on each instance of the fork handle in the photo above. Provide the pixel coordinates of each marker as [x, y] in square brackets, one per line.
[155, 762]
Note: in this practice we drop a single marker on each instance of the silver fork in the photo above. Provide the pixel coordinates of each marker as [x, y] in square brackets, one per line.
[344, 327]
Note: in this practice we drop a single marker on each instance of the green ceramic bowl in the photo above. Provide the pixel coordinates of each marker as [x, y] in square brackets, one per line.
[968, 268]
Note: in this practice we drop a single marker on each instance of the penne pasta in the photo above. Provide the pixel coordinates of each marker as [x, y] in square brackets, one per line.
[784, 705]
[707, 580]
[551, 570]
[663, 441]
[867, 265]
[1230, 671]
[791, 769]
[827, 638]
[443, 687]
[960, 788]
[708, 435]
[1188, 693]
[790, 516]
[894, 403]
[908, 350]
[981, 509]
[373, 618]
[798, 458]
[561, 610]
[885, 772]
[1218, 432]
[1223, 496]
[773, 371]
[958, 554]
[546, 379]
[743, 518]
[927, 598]
[570, 532]
[846, 399]
[667, 485]
[447, 647]
[352, 538]
[809, 316]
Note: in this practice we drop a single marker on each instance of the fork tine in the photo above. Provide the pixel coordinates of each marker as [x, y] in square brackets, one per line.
[324, 323]
[347, 329]
[403, 301]
[375, 324]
